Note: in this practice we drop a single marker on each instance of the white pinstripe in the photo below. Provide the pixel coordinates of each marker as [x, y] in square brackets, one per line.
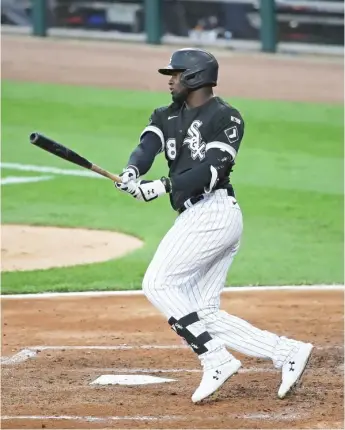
[188, 273]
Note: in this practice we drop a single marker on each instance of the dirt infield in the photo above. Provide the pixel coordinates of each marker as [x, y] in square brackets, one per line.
[131, 66]
[50, 387]
[56, 382]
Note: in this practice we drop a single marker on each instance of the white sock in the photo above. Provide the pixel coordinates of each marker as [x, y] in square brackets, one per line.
[217, 353]
[239, 335]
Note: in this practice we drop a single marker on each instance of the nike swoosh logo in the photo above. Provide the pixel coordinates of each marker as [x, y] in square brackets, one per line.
[170, 117]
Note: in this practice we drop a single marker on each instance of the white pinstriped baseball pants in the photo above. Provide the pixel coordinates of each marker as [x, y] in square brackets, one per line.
[188, 272]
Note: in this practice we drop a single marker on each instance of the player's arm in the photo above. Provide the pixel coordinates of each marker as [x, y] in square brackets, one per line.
[140, 161]
[220, 155]
[143, 156]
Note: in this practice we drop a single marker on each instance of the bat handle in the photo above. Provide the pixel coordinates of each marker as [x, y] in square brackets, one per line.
[105, 173]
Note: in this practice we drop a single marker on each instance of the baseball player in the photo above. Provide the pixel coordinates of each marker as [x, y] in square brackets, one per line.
[200, 135]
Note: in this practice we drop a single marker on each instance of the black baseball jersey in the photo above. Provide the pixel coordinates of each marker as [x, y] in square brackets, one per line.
[194, 140]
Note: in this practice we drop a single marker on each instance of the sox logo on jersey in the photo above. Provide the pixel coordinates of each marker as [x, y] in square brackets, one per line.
[194, 141]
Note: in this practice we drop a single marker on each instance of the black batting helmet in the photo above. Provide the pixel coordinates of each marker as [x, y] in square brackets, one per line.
[199, 68]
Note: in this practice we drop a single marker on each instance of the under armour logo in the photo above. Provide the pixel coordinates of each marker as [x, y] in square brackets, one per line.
[194, 346]
[216, 376]
[291, 366]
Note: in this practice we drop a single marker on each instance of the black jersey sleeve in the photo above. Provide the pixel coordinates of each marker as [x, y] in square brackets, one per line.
[151, 144]
[145, 153]
[155, 126]
[228, 131]
[212, 171]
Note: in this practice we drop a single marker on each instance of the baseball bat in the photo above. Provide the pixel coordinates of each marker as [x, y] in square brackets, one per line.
[67, 154]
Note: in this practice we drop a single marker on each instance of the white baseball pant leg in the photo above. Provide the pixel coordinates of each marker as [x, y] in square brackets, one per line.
[236, 333]
[198, 236]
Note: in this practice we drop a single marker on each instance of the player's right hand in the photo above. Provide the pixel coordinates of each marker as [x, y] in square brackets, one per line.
[129, 174]
[145, 191]
[131, 187]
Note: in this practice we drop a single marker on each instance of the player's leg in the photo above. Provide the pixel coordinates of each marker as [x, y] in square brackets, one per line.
[239, 335]
[197, 237]
[180, 261]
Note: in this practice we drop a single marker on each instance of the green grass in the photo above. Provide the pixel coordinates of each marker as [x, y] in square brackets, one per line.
[288, 180]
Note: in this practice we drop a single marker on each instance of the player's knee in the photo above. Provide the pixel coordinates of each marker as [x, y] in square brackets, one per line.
[152, 282]
[146, 284]
[208, 315]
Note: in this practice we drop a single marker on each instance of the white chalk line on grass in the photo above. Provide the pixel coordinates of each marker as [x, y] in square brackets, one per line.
[47, 169]
[9, 180]
[248, 416]
[31, 352]
[235, 289]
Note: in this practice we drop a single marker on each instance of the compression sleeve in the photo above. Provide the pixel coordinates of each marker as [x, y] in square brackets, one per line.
[144, 154]
[216, 165]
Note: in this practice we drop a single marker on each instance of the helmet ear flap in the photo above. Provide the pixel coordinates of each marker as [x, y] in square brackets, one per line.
[192, 79]
[197, 77]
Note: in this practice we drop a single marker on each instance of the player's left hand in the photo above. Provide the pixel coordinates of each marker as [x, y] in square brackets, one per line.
[129, 174]
[145, 191]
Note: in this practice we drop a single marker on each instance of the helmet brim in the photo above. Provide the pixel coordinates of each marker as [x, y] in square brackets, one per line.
[170, 70]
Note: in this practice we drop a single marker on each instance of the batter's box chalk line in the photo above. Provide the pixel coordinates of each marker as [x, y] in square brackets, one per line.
[153, 370]
[91, 418]
[21, 356]
[284, 416]
[31, 352]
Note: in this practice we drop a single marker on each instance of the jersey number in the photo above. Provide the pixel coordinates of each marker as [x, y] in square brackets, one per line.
[171, 148]
[194, 141]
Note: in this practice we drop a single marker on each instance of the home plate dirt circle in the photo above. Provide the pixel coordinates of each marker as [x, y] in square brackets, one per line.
[26, 247]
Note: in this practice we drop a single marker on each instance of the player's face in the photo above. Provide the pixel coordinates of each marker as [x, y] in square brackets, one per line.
[177, 90]
[174, 83]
